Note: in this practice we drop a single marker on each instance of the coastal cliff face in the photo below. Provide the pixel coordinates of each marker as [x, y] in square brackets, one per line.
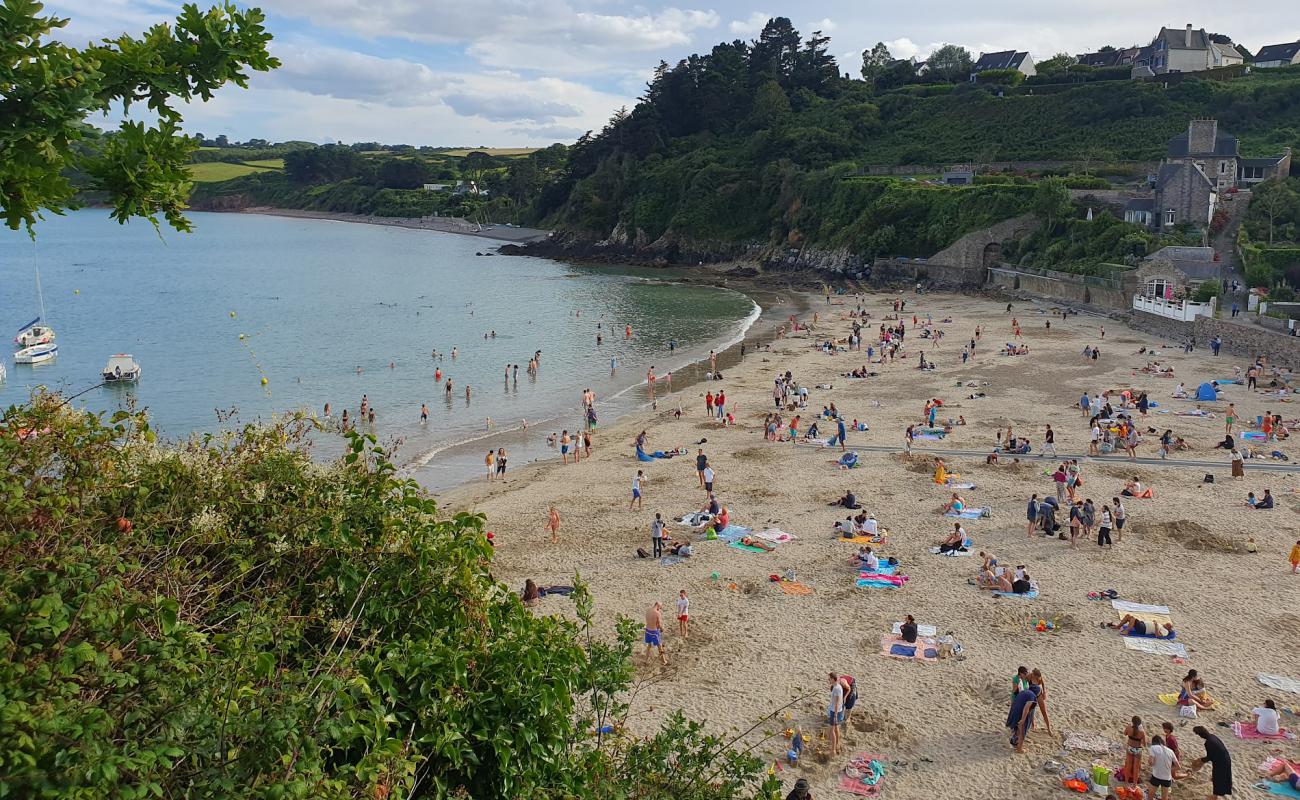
[623, 246]
[224, 202]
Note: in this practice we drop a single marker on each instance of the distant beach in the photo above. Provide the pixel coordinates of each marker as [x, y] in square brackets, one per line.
[502, 233]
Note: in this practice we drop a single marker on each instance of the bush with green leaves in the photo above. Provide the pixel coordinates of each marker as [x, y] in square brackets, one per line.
[226, 618]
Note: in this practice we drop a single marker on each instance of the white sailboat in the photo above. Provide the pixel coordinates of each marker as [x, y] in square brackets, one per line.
[36, 338]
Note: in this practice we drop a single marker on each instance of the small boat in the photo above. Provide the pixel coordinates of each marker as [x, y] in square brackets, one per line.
[36, 354]
[121, 368]
[2, 373]
[34, 333]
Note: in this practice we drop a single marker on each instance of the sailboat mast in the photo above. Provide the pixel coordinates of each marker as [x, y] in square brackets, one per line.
[40, 298]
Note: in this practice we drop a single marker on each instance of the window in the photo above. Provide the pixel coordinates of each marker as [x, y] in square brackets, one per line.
[1169, 216]
[1223, 167]
[1158, 288]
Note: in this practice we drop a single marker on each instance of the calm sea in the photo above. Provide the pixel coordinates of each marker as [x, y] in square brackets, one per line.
[330, 311]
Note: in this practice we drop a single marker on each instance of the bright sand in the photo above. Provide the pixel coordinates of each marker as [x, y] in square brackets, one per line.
[754, 648]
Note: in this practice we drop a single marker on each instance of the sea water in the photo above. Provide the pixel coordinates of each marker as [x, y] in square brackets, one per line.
[328, 311]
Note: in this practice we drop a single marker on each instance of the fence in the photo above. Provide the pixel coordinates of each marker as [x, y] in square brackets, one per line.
[1182, 311]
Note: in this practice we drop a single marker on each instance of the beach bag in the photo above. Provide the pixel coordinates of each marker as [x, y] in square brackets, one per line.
[1209, 478]
[1188, 711]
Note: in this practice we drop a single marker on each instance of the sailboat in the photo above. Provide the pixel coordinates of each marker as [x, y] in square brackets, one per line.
[36, 338]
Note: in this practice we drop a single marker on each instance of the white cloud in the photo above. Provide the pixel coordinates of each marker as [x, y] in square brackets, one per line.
[902, 47]
[750, 26]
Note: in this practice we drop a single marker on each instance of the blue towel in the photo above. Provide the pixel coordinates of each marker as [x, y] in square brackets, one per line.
[1280, 789]
[1026, 596]
[969, 513]
[641, 456]
[733, 533]
[868, 583]
[885, 568]
[907, 650]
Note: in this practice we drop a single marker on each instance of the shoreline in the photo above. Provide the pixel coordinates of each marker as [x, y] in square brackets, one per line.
[499, 233]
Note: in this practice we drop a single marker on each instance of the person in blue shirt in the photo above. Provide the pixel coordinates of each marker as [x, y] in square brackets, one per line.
[840, 432]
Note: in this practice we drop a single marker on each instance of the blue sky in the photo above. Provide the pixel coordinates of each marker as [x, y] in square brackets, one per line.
[531, 72]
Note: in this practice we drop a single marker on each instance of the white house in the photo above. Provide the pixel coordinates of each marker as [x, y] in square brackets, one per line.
[1007, 59]
[1188, 50]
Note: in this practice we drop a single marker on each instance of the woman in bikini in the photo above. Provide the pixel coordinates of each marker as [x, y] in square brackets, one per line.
[1134, 746]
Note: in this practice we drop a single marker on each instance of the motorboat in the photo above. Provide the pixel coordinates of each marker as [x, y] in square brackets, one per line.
[36, 354]
[121, 368]
[34, 333]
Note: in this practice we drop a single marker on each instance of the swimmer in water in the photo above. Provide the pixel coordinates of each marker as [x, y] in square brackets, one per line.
[424, 413]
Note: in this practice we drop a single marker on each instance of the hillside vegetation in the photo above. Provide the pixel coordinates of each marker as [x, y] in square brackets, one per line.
[765, 142]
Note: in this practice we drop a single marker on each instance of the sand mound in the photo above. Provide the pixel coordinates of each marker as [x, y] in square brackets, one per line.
[1191, 535]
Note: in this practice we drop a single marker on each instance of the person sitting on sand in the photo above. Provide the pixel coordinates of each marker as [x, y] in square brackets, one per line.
[849, 500]
[750, 541]
[1265, 502]
[941, 475]
[1133, 488]
[721, 521]
[956, 541]
[845, 528]
[1181, 392]
[868, 560]
[1228, 443]
[532, 595]
[1194, 693]
[682, 549]
[954, 506]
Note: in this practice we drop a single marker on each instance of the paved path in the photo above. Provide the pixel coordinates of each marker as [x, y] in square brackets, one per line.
[1257, 465]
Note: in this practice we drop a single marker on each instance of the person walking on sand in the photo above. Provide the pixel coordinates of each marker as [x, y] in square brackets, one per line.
[490, 462]
[701, 461]
[654, 631]
[908, 436]
[553, 524]
[657, 532]
[565, 442]
[637, 481]
[683, 614]
[1164, 762]
[1294, 558]
[1049, 442]
[835, 712]
[1230, 419]
[1031, 512]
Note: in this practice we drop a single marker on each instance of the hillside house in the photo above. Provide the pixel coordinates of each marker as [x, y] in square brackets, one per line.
[1184, 50]
[958, 176]
[1278, 55]
[1005, 59]
[1173, 272]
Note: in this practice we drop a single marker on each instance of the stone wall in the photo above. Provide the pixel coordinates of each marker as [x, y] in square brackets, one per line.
[1062, 286]
[983, 248]
[1248, 340]
[934, 276]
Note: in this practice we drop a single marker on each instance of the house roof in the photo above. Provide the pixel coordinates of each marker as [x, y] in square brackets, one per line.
[1176, 39]
[1278, 52]
[1140, 204]
[1270, 161]
[1196, 263]
[1228, 50]
[1168, 172]
[1183, 253]
[1224, 145]
[1108, 58]
[1006, 59]
[1198, 270]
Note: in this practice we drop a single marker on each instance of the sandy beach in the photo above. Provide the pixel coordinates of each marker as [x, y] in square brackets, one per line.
[502, 233]
[937, 726]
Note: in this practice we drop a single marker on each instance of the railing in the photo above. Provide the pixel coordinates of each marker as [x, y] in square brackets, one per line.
[1183, 311]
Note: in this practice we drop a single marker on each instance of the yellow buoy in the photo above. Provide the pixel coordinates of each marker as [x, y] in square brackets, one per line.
[232, 315]
[241, 337]
[264, 381]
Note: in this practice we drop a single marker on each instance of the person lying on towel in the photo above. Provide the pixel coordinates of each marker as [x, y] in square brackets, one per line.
[750, 541]
[1130, 625]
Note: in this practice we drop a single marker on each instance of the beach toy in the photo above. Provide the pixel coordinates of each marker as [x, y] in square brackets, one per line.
[264, 381]
[715, 576]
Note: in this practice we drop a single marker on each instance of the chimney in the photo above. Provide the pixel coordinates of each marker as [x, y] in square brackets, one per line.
[1187, 38]
[1201, 136]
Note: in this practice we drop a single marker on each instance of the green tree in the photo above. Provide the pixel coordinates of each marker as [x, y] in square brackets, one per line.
[1051, 202]
[475, 164]
[402, 173]
[951, 63]
[1056, 65]
[874, 63]
[48, 89]
[1275, 198]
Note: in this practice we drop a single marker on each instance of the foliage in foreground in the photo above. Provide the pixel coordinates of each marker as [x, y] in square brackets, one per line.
[48, 89]
[228, 619]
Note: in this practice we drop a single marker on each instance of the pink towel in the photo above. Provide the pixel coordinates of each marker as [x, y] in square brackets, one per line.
[1247, 730]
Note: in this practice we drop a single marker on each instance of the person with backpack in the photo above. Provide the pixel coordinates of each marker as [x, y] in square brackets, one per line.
[850, 696]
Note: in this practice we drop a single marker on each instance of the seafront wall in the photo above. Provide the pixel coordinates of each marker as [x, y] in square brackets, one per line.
[1240, 338]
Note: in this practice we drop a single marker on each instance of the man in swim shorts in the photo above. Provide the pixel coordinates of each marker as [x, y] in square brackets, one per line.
[654, 627]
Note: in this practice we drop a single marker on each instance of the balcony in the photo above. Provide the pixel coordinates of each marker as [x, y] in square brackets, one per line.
[1181, 310]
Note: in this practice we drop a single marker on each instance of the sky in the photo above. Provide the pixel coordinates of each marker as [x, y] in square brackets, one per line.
[518, 73]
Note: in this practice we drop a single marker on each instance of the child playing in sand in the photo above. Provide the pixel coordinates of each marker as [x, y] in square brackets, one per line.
[553, 525]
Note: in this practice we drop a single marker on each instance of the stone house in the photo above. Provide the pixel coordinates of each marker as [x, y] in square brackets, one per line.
[1200, 166]
[1172, 273]
[1278, 55]
[1005, 59]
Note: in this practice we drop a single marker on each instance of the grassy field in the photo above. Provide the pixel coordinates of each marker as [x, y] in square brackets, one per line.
[493, 151]
[216, 171]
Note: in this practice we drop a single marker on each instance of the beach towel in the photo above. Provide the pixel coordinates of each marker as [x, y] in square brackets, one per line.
[936, 431]
[1138, 609]
[1156, 647]
[1279, 789]
[924, 649]
[748, 548]
[668, 561]
[848, 460]
[733, 532]
[860, 765]
[775, 535]
[794, 587]
[952, 485]
[952, 553]
[882, 582]
[863, 538]
[921, 630]
[1091, 743]
[641, 456]
[971, 513]
[1025, 596]
[1253, 436]
[885, 568]
[1197, 413]
[1247, 730]
[929, 437]
[1279, 682]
